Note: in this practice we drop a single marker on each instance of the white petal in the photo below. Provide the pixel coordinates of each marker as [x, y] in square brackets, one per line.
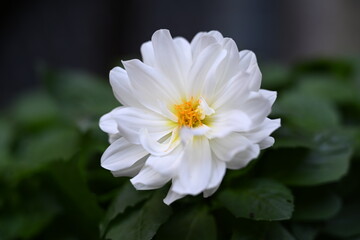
[114, 137]
[255, 78]
[247, 59]
[217, 174]
[131, 120]
[201, 67]
[227, 147]
[173, 57]
[229, 67]
[132, 170]
[201, 41]
[205, 107]
[147, 53]
[257, 107]
[242, 158]
[267, 142]
[195, 169]
[262, 131]
[184, 50]
[187, 134]
[156, 148]
[224, 123]
[122, 88]
[148, 179]
[172, 196]
[151, 86]
[269, 95]
[210, 191]
[168, 164]
[248, 62]
[121, 155]
[108, 124]
[231, 94]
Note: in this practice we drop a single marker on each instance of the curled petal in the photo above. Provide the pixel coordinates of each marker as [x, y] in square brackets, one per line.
[131, 120]
[121, 155]
[263, 130]
[167, 165]
[227, 147]
[172, 197]
[267, 142]
[225, 123]
[122, 87]
[242, 158]
[108, 124]
[132, 170]
[148, 179]
[156, 148]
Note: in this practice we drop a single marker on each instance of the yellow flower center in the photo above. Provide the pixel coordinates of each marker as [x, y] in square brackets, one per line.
[189, 113]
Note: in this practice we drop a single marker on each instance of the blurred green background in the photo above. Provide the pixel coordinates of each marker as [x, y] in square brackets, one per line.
[55, 59]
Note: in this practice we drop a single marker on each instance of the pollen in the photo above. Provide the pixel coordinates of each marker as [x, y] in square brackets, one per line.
[189, 113]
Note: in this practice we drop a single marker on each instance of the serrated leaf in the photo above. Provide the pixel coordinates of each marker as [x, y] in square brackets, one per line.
[328, 161]
[192, 224]
[142, 223]
[315, 205]
[259, 199]
[127, 197]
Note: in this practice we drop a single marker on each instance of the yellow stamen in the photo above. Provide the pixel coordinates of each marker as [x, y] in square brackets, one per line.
[189, 113]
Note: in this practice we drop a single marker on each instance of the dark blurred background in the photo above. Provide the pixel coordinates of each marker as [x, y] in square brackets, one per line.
[93, 35]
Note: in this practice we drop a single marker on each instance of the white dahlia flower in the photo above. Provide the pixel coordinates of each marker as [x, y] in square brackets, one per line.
[190, 111]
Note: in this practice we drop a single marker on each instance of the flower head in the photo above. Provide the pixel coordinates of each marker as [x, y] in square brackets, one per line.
[190, 111]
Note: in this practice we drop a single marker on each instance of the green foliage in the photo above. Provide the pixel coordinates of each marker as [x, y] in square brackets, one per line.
[306, 187]
[259, 199]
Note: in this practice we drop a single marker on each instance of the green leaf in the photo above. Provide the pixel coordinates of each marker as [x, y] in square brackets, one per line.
[35, 110]
[328, 161]
[304, 231]
[82, 97]
[190, 224]
[315, 204]
[291, 138]
[142, 223]
[249, 230]
[37, 151]
[327, 87]
[72, 184]
[127, 197]
[6, 136]
[29, 219]
[259, 199]
[275, 76]
[306, 112]
[346, 223]
[278, 232]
